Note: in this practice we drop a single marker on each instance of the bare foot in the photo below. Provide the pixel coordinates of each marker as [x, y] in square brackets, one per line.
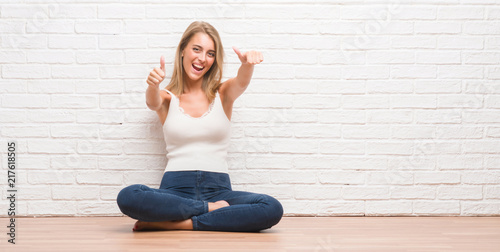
[216, 205]
[164, 225]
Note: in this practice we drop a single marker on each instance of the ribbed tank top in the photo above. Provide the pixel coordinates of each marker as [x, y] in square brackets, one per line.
[196, 143]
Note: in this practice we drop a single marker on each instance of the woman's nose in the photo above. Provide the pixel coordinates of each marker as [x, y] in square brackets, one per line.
[201, 57]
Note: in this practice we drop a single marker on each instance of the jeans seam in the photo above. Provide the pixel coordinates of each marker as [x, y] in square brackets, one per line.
[195, 224]
[205, 206]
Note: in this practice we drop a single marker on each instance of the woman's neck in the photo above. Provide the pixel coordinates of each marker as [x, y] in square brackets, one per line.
[191, 86]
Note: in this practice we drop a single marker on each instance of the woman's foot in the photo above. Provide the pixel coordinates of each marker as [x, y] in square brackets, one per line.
[163, 225]
[216, 205]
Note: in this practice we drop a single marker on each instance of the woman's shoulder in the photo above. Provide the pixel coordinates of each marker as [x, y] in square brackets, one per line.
[165, 94]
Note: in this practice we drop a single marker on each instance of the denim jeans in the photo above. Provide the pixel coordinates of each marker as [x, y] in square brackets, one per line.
[185, 194]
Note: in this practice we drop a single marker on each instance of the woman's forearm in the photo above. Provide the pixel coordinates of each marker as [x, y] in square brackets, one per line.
[244, 74]
[153, 98]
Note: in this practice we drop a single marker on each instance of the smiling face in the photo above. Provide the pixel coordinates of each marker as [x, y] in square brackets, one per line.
[198, 56]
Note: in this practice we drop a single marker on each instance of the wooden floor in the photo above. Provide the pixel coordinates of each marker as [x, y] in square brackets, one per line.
[291, 234]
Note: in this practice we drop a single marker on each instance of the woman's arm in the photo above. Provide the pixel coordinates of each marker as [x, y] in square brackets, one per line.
[234, 87]
[156, 76]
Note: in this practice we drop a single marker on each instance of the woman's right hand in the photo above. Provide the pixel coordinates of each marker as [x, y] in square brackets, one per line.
[157, 75]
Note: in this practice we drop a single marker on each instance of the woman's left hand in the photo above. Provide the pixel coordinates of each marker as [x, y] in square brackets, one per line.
[250, 57]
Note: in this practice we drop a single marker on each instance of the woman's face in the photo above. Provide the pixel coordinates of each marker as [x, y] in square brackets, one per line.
[198, 56]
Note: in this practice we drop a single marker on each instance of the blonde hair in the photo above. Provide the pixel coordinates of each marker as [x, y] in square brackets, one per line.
[212, 78]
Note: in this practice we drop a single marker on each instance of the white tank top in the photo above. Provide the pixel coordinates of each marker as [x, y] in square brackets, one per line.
[196, 143]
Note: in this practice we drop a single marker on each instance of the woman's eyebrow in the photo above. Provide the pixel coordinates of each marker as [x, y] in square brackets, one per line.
[202, 47]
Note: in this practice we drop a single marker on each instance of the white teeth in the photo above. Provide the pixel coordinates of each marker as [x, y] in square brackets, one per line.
[198, 67]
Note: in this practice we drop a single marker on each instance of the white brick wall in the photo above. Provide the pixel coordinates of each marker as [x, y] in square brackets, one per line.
[360, 107]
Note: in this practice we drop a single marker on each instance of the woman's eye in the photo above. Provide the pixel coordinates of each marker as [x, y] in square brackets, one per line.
[211, 54]
[196, 49]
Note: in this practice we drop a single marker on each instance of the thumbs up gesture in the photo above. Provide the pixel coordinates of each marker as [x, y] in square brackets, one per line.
[250, 57]
[157, 75]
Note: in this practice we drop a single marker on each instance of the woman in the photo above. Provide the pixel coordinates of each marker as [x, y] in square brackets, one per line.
[195, 110]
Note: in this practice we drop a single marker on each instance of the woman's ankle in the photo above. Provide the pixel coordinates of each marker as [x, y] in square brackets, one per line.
[216, 205]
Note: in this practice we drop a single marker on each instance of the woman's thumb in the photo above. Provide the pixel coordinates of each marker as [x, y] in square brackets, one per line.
[162, 63]
[237, 51]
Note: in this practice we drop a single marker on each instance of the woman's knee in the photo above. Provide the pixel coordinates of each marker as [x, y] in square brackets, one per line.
[127, 197]
[274, 210]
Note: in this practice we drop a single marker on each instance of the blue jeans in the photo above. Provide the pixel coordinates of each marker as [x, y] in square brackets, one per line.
[185, 194]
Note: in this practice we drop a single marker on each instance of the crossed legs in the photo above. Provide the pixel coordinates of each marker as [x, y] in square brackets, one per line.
[224, 211]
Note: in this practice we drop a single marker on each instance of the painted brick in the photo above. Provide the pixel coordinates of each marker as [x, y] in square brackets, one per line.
[375, 208]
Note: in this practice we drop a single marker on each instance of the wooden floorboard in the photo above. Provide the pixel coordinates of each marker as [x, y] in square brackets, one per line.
[291, 234]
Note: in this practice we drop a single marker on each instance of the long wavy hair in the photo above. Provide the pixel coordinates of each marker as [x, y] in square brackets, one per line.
[212, 78]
